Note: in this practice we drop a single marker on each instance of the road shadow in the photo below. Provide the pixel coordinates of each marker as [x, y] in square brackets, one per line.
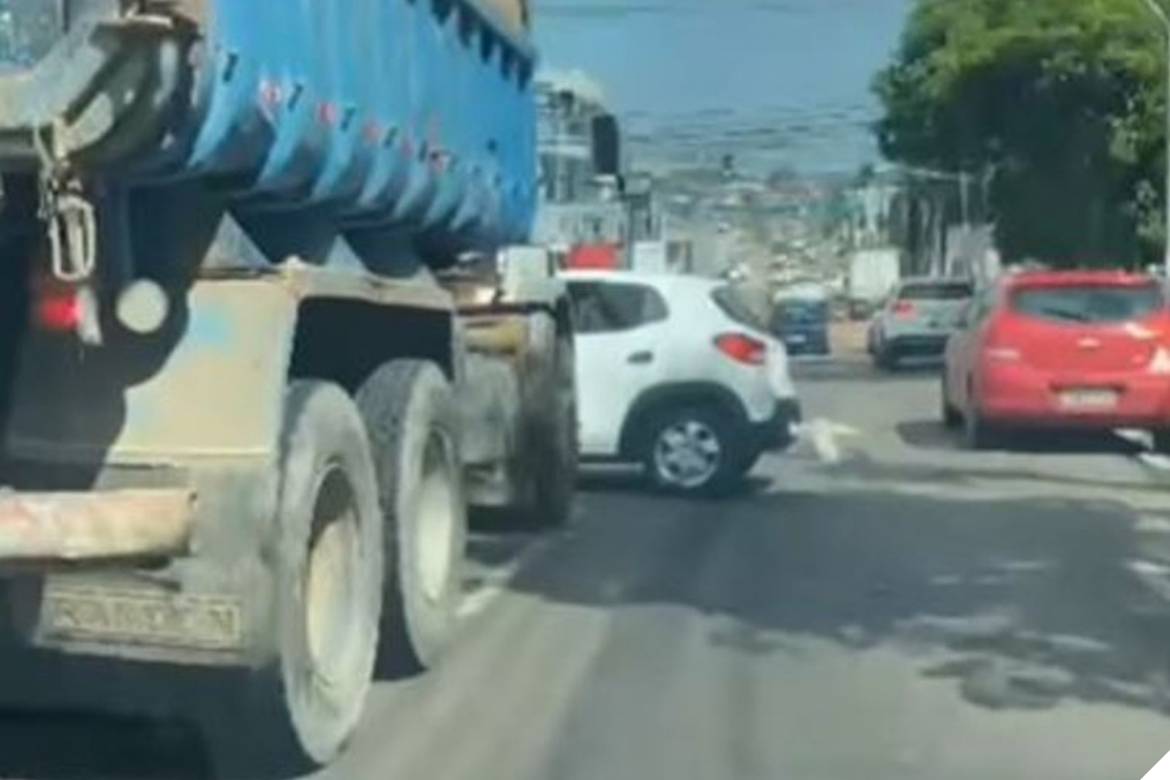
[172, 724]
[859, 370]
[630, 481]
[933, 435]
[82, 718]
[78, 745]
[1022, 604]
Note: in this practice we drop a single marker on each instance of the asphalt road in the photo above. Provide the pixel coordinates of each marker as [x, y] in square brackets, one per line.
[881, 605]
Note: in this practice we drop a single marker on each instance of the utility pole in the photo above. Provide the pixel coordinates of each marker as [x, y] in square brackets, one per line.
[1160, 12]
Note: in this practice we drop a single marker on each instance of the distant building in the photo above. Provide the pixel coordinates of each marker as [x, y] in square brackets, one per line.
[586, 199]
[580, 163]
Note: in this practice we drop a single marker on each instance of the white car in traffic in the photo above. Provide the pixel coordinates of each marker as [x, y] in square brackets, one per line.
[673, 372]
[917, 319]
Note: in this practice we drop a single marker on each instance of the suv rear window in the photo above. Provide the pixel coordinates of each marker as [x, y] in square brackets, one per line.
[735, 302]
[609, 307]
[1089, 303]
[936, 291]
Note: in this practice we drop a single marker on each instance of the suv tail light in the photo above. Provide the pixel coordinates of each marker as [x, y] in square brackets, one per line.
[904, 310]
[742, 348]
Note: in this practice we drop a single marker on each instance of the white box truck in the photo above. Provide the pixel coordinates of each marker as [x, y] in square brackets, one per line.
[872, 274]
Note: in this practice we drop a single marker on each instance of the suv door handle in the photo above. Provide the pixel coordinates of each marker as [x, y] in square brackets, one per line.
[641, 358]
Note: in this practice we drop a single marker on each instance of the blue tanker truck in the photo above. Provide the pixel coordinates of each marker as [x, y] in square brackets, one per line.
[270, 327]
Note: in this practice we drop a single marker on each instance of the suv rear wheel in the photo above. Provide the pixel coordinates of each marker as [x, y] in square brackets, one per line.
[951, 417]
[693, 450]
[886, 359]
[1162, 441]
[977, 433]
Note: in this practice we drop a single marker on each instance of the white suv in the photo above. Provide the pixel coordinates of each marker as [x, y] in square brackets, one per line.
[673, 373]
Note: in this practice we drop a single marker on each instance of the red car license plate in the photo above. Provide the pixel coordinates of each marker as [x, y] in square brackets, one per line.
[1089, 400]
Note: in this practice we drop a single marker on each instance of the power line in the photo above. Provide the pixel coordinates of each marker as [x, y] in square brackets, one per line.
[578, 8]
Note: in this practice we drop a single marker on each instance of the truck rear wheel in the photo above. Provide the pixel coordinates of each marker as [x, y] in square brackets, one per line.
[330, 567]
[409, 409]
[549, 462]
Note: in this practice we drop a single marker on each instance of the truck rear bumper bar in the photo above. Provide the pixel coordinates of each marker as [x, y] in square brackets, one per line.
[94, 526]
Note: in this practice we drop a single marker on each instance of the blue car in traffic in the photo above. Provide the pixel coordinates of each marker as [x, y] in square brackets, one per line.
[801, 321]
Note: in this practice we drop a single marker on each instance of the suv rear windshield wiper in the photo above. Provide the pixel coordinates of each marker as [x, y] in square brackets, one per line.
[1064, 314]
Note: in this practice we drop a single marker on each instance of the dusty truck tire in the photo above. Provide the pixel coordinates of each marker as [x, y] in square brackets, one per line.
[409, 410]
[329, 561]
[548, 463]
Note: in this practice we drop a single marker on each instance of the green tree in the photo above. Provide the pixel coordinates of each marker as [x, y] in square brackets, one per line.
[1062, 99]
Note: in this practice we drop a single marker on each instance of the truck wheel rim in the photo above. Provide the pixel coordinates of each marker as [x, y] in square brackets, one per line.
[687, 454]
[436, 522]
[330, 600]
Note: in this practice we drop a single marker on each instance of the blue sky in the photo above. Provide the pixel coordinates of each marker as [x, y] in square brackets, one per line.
[774, 81]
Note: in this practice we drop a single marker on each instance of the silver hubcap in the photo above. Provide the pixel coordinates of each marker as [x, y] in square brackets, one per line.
[436, 523]
[687, 454]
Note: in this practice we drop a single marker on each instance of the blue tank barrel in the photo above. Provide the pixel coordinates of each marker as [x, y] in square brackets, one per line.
[417, 113]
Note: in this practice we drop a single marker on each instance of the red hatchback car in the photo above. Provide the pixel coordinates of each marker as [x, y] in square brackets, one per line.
[1069, 349]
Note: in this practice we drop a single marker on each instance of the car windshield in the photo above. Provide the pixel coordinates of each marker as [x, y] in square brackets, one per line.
[1089, 304]
[745, 304]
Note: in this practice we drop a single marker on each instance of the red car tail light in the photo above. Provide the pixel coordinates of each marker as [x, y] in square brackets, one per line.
[905, 310]
[742, 348]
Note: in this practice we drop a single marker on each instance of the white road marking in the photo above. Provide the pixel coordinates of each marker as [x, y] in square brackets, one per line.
[496, 579]
[1145, 439]
[1136, 436]
[1144, 568]
[1161, 770]
[1151, 524]
[1155, 576]
[479, 600]
[824, 437]
[1159, 462]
